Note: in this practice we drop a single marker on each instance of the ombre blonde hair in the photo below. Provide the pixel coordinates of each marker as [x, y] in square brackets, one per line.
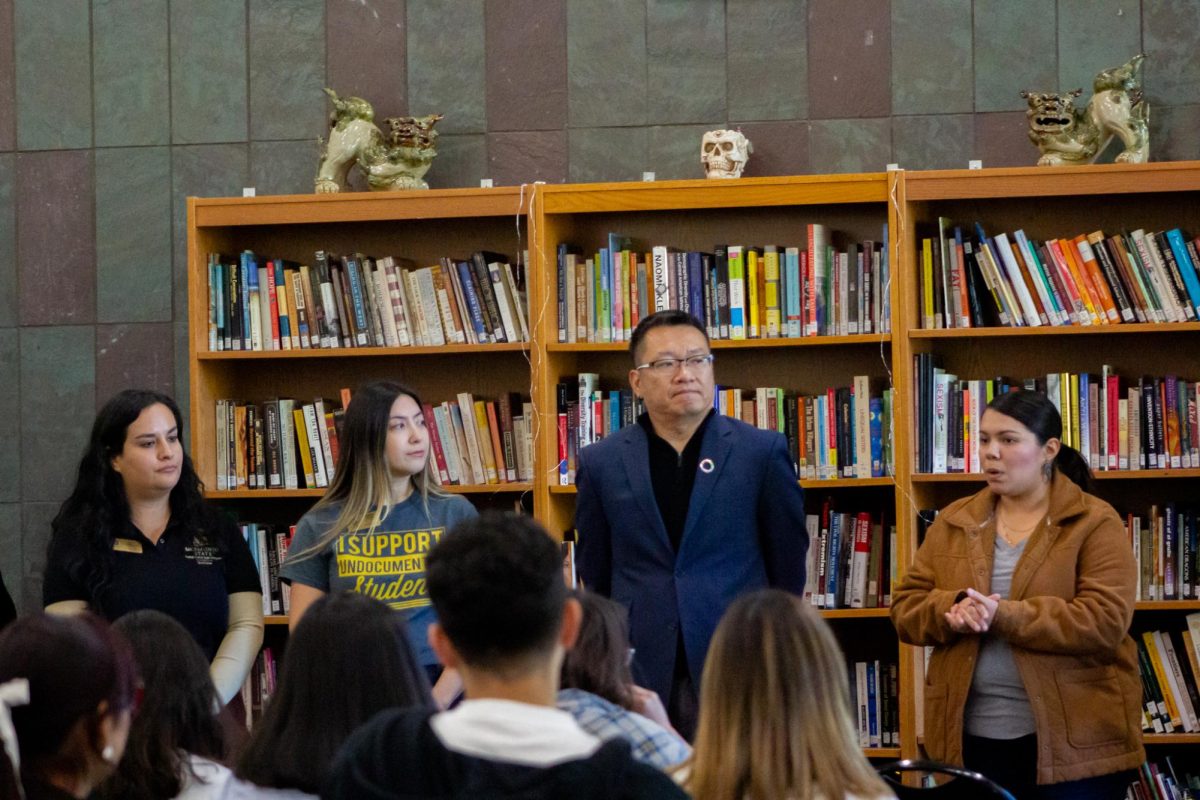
[775, 719]
[362, 482]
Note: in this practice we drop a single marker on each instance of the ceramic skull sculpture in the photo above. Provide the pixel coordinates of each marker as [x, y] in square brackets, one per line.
[724, 153]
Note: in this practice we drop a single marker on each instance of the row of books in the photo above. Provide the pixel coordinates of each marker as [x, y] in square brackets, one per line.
[269, 549]
[260, 685]
[1114, 422]
[1169, 663]
[851, 559]
[875, 689]
[1162, 781]
[738, 292]
[282, 444]
[1090, 279]
[256, 303]
[1166, 545]
[278, 444]
[831, 435]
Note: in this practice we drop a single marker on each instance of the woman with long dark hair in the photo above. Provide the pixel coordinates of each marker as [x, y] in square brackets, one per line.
[137, 533]
[1025, 591]
[379, 517]
[70, 687]
[347, 660]
[175, 742]
[597, 687]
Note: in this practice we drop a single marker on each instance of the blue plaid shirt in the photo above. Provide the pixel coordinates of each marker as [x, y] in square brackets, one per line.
[652, 744]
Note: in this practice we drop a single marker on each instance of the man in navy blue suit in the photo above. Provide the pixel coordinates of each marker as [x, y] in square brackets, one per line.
[684, 511]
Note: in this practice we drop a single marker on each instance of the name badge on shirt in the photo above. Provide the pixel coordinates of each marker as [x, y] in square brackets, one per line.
[127, 546]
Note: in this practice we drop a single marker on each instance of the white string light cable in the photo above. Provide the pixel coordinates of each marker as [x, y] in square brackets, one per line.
[536, 320]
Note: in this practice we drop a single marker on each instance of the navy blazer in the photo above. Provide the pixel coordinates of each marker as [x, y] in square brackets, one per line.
[744, 530]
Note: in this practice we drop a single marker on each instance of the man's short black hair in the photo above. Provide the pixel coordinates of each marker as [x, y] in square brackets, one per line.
[657, 320]
[497, 586]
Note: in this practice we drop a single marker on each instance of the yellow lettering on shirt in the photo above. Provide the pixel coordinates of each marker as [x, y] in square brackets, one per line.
[127, 546]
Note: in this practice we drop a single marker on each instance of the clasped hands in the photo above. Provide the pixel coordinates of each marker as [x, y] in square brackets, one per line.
[974, 613]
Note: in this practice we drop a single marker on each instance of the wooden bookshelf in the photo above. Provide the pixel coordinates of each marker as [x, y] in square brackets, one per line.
[1045, 203]
[694, 215]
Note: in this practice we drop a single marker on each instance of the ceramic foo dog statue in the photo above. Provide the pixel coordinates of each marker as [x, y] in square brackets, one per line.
[1067, 135]
[724, 153]
[398, 161]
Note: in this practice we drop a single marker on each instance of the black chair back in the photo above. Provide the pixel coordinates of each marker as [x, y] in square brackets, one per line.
[963, 784]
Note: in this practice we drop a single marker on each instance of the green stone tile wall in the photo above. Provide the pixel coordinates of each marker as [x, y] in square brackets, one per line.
[112, 112]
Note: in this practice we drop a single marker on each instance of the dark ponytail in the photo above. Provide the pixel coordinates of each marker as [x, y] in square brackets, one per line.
[1035, 411]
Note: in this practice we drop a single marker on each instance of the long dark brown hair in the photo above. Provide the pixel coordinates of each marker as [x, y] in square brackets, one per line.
[177, 717]
[98, 509]
[599, 661]
[348, 659]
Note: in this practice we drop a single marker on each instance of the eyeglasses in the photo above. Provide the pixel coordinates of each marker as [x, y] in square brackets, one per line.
[667, 366]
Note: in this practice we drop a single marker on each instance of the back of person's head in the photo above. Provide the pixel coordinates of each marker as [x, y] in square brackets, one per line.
[496, 583]
[775, 717]
[599, 661]
[1038, 413]
[178, 712]
[348, 659]
[82, 687]
[659, 319]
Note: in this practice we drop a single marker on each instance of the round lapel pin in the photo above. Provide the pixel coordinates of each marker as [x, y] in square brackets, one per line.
[706, 465]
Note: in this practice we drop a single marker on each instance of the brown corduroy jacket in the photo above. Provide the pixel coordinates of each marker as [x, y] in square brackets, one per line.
[1067, 619]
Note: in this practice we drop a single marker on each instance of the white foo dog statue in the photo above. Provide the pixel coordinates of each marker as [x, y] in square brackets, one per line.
[724, 153]
[398, 162]
[1068, 136]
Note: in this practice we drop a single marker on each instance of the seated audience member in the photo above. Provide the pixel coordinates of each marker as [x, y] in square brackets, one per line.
[598, 688]
[70, 686]
[775, 719]
[348, 659]
[175, 741]
[504, 620]
[8, 610]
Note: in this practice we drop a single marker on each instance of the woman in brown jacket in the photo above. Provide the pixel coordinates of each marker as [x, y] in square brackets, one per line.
[1025, 590]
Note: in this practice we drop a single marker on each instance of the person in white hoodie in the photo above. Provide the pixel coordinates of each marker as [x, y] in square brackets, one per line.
[175, 742]
[774, 713]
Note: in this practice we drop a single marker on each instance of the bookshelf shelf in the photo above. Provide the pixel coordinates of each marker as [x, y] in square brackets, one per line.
[1130, 329]
[361, 352]
[1168, 605]
[1171, 738]
[855, 613]
[835, 483]
[881, 752]
[280, 494]
[1100, 475]
[738, 344]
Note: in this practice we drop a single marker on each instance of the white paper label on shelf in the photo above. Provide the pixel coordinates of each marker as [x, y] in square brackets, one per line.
[974, 164]
[485, 183]
[893, 167]
[247, 191]
[648, 177]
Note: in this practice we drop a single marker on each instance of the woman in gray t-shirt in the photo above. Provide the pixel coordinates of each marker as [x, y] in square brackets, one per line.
[382, 513]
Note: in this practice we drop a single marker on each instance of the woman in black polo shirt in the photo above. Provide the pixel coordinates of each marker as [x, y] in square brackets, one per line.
[137, 533]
